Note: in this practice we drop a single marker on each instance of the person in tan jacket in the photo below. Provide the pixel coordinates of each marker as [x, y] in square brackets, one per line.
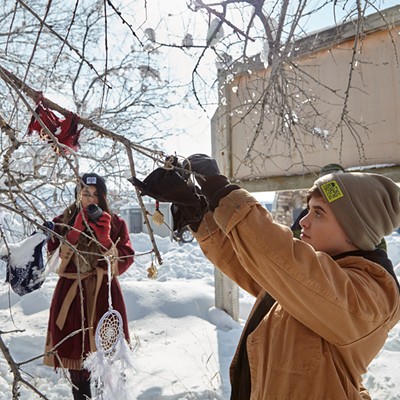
[325, 303]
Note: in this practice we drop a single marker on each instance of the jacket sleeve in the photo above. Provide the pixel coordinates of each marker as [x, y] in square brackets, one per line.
[54, 242]
[120, 236]
[217, 247]
[309, 285]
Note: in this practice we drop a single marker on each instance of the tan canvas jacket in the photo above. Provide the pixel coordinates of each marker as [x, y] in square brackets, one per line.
[331, 317]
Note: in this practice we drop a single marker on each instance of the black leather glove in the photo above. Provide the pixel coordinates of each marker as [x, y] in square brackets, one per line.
[168, 185]
[188, 215]
[213, 185]
[172, 185]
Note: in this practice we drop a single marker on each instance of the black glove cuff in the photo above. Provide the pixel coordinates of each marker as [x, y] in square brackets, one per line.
[215, 188]
[212, 184]
[219, 194]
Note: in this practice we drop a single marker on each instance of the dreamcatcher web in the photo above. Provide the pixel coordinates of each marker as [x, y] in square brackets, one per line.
[109, 331]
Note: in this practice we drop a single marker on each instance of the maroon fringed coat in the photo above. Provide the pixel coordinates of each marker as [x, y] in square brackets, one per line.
[67, 303]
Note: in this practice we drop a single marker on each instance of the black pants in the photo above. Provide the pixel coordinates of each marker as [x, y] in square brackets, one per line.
[80, 379]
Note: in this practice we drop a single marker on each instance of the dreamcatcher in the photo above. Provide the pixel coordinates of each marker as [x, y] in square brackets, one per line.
[109, 330]
[108, 366]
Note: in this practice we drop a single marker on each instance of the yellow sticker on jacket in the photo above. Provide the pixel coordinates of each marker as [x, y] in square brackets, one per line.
[332, 191]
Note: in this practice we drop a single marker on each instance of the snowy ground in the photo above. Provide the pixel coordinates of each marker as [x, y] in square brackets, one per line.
[185, 345]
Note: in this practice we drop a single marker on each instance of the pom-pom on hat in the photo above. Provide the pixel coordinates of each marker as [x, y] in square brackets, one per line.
[331, 169]
[367, 206]
[95, 180]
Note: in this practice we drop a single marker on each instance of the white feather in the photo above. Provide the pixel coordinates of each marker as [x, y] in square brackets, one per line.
[108, 372]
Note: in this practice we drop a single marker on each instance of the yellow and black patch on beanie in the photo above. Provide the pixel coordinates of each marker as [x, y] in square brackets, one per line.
[332, 191]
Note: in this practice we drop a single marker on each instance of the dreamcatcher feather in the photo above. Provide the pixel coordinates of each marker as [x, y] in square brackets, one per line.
[109, 365]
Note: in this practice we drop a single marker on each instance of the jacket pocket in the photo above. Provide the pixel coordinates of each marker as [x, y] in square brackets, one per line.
[285, 344]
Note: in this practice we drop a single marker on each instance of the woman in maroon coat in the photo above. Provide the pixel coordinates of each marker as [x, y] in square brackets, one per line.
[80, 298]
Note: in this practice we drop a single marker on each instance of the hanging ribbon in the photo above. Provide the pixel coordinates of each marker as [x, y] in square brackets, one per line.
[65, 130]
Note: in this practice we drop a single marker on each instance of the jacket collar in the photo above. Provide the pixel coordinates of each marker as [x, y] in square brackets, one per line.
[378, 256]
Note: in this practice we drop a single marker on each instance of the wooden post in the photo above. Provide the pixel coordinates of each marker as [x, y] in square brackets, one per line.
[226, 291]
[226, 294]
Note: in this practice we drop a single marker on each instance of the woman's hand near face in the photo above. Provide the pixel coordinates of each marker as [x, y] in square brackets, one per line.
[78, 227]
[102, 228]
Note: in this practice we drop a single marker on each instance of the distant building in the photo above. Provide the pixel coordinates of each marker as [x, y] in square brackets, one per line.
[332, 121]
[135, 220]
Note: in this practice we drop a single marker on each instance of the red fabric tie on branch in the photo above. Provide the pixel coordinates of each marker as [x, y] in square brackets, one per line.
[65, 130]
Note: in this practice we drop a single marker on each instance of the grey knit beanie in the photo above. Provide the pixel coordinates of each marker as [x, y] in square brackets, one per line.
[367, 206]
[95, 180]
